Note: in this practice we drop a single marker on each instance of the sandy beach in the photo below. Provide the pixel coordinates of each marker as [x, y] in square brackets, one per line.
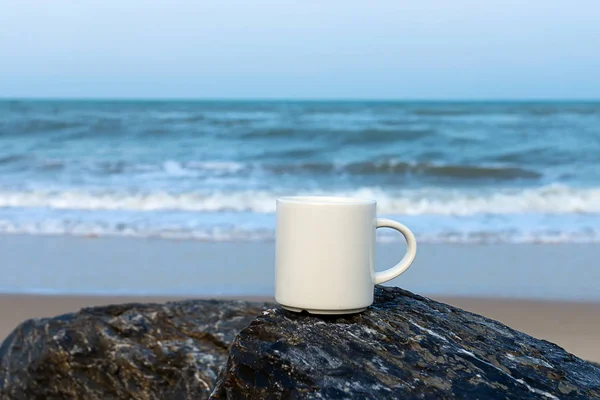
[574, 326]
[547, 291]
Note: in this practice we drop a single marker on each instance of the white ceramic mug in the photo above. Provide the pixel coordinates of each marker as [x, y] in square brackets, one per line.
[324, 254]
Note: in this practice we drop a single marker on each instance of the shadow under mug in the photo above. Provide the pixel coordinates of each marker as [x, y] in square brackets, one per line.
[325, 251]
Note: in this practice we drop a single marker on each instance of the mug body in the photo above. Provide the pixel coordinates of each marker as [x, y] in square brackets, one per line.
[324, 254]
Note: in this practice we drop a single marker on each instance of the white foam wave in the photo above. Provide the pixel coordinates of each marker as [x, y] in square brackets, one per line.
[220, 166]
[168, 168]
[553, 199]
[101, 229]
[196, 168]
[221, 234]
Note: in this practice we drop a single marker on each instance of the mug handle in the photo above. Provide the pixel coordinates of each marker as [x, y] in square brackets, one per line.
[411, 250]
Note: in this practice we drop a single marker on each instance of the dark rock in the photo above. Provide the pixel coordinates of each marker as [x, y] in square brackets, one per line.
[403, 347]
[142, 351]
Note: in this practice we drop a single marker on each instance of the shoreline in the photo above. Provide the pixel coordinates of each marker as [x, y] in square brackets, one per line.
[151, 267]
[574, 326]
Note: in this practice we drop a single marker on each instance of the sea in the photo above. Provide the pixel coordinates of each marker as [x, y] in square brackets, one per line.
[454, 172]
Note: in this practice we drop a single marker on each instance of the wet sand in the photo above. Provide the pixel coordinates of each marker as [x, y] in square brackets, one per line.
[126, 266]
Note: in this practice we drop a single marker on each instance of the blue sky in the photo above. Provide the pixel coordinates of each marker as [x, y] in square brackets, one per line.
[383, 49]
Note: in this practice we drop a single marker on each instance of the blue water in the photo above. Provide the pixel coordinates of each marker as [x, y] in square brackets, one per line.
[453, 172]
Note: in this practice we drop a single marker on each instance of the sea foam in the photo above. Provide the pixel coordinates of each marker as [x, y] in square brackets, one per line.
[549, 199]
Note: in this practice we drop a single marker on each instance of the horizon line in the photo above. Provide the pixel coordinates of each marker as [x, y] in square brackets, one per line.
[304, 99]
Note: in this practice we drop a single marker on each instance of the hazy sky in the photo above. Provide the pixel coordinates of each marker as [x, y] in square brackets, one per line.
[382, 49]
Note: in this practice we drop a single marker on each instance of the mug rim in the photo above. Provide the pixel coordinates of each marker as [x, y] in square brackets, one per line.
[325, 200]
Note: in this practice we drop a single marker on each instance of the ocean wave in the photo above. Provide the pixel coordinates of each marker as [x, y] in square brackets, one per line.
[383, 167]
[231, 232]
[552, 199]
[13, 158]
[425, 169]
[273, 133]
[35, 126]
[108, 200]
[115, 167]
[221, 166]
[102, 229]
[179, 116]
[197, 168]
[441, 170]
[374, 136]
[293, 153]
[381, 133]
[436, 111]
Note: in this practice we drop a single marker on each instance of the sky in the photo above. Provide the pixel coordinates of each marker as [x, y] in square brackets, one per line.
[310, 49]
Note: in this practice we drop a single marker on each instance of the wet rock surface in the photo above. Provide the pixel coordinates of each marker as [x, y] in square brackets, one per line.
[142, 351]
[404, 347]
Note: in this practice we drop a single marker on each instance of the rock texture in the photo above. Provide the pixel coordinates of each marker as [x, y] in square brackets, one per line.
[403, 347]
[142, 351]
